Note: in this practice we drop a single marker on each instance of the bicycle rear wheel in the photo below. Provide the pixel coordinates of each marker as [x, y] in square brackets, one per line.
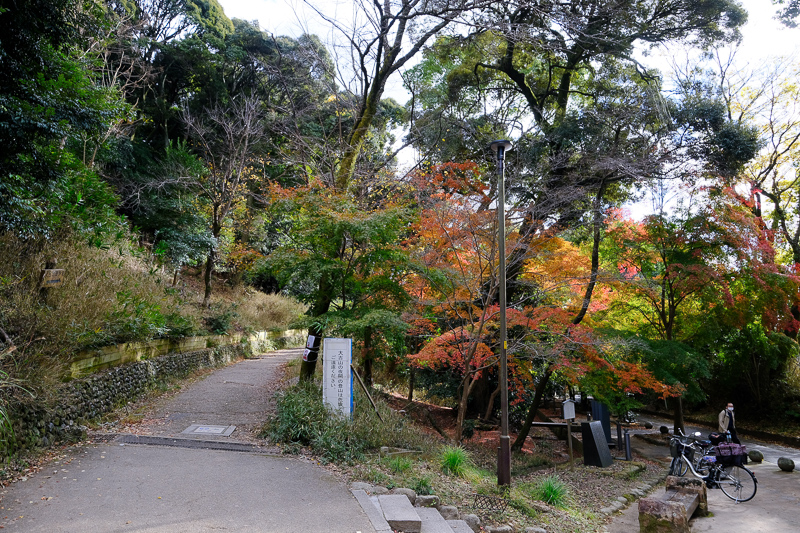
[738, 483]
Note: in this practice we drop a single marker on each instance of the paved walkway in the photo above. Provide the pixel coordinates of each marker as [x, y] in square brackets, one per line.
[774, 508]
[183, 486]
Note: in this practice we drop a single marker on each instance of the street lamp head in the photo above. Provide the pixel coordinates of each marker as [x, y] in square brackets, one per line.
[500, 147]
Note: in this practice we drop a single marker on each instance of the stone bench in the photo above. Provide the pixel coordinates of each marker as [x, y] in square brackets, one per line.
[670, 511]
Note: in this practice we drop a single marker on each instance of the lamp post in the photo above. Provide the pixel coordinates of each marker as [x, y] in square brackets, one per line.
[504, 452]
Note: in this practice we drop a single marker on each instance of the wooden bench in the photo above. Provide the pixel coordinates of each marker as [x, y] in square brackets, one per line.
[562, 425]
[670, 511]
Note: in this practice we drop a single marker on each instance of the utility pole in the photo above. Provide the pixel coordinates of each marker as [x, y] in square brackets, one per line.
[504, 452]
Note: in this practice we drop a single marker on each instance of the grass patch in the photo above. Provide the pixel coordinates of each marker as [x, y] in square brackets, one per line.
[523, 464]
[423, 486]
[266, 312]
[399, 464]
[550, 490]
[454, 460]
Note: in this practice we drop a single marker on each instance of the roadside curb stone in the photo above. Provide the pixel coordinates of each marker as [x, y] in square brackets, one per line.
[499, 529]
[473, 521]
[378, 490]
[448, 512]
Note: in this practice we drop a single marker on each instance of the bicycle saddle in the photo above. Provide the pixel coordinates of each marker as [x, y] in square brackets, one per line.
[704, 442]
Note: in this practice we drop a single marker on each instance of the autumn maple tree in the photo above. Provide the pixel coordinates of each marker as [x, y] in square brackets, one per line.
[455, 241]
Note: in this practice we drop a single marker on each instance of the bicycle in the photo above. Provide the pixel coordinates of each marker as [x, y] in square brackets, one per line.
[737, 482]
[696, 451]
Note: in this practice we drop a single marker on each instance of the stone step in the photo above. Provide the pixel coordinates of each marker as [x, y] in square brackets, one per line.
[372, 510]
[459, 526]
[432, 521]
[399, 513]
[394, 512]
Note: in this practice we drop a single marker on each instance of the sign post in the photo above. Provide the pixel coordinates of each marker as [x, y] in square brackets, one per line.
[569, 416]
[337, 376]
[49, 277]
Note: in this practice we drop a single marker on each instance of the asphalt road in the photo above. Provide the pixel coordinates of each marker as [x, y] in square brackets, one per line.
[115, 487]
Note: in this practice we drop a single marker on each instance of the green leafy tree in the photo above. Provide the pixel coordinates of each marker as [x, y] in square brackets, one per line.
[50, 102]
[346, 263]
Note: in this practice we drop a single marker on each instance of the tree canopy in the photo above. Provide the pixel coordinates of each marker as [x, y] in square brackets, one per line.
[272, 160]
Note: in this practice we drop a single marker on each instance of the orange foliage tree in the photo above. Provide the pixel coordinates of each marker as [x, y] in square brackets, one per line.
[455, 243]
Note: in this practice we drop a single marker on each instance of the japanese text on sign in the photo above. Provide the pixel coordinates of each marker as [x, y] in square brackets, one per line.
[337, 377]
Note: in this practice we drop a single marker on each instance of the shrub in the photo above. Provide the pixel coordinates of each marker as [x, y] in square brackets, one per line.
[468, 431]
[221, 322]
[179, 325]
[299, 415]
[454, 460]
[135, 319]
[302, 418]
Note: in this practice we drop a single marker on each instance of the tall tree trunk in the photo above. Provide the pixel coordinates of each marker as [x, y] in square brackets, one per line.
[597, 222]
[367, 357]
[490, 407]
[207, 278]
[321, 306]
[216, 229]
[587, 299]
[309, 363]
[348, 163]
[677, 418]
[466, 389]
[537, 399]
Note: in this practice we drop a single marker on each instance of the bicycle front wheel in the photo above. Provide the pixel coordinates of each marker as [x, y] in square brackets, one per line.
[678, 467]
[738, 483]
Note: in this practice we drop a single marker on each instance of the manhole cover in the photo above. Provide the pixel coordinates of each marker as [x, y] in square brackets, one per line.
[199, 429]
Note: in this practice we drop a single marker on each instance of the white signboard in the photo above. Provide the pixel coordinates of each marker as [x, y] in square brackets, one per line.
[337, 389]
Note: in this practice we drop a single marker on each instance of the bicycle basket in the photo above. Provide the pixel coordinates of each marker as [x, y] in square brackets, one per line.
[676, 448]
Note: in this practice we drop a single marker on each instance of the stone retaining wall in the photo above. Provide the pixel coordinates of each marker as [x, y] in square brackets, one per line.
[106, 378]
[91, 361]
[81, 400]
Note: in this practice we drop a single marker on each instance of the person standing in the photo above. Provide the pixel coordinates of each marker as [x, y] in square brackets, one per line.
[727, 423]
